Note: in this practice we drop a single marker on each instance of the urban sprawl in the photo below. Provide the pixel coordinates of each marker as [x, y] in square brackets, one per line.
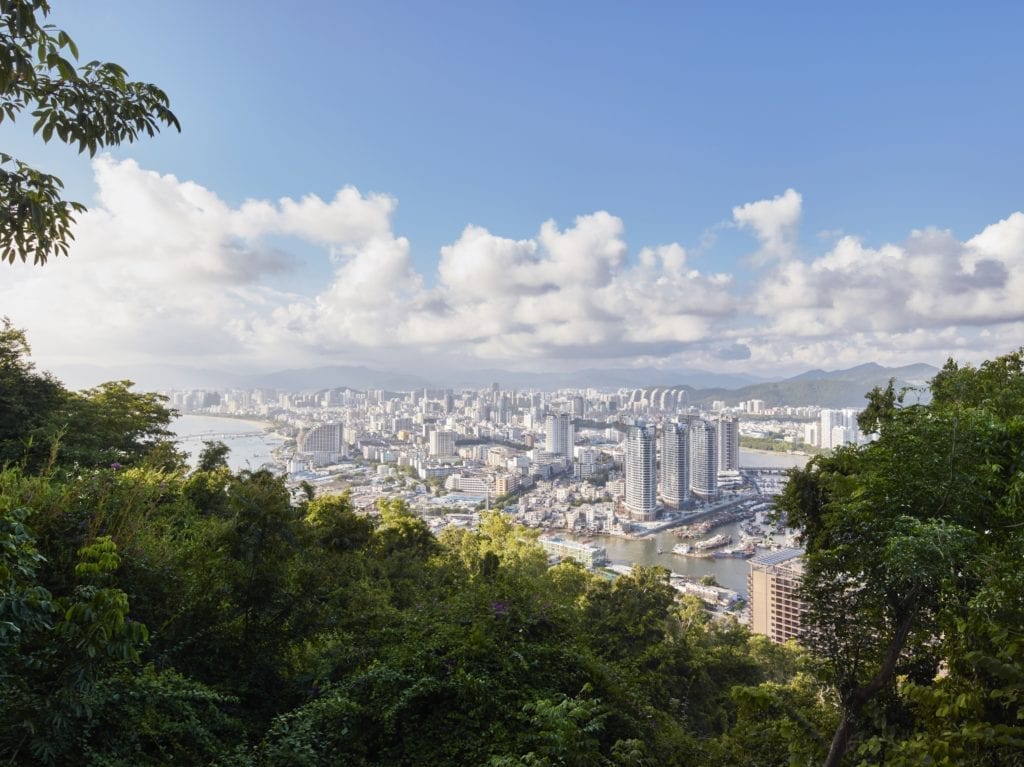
[573, 463]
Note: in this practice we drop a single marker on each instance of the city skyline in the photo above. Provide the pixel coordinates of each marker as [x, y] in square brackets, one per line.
[665, 188]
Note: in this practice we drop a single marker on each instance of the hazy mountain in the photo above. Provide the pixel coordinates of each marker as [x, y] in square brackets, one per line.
[836, 388]
[827, 388]
[872, 373]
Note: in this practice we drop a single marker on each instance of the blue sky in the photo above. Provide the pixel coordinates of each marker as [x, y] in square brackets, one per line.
[884, 119]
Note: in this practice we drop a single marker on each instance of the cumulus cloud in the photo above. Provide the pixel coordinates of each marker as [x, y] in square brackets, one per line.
[165, 270]
[775, 223]
[930, 281]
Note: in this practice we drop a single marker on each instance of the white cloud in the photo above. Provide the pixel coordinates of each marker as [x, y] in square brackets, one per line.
[165, 270]
[775, 223]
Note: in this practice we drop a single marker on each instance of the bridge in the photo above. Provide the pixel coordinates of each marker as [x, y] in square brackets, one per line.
[207, 436]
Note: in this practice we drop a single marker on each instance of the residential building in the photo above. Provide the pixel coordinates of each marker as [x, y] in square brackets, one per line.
[773, 584]
[324, 444]
[442, 444]
[559, 434]
[675, 464]
[728, 443]
[703, 459]
[641, 463]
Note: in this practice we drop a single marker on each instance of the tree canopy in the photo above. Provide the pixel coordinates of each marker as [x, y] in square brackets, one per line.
[906, 539]
[90, 106]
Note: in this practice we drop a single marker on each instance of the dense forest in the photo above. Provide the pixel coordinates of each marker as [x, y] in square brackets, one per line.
[155, 614]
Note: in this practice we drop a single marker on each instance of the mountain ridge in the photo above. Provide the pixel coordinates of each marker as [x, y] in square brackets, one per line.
[826, 388]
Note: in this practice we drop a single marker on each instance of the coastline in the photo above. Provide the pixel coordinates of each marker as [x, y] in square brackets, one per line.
[252, 441]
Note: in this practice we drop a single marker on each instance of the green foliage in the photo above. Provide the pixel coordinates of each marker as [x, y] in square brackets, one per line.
[92, 105]
[903, 537]
[43, 426]
[26, 400]
[214, 456]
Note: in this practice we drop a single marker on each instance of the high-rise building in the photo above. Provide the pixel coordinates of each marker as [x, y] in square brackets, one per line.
[675, 464]
[703, 459]
[641, 463]
[442, 443]
[558, 433]
[773, 585]
[324, 444]
[828, 420]
[728, 438]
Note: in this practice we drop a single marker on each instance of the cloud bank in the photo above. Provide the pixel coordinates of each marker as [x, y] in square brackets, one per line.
[165, 270]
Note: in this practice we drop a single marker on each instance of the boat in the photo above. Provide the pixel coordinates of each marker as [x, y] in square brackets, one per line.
[714, 542]
[682, 549]
[740, 552]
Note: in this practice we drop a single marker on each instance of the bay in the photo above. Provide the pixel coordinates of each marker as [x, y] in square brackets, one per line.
[250, 444]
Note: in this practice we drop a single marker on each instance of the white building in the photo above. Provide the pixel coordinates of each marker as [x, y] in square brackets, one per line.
[728, 439]
[586, 462]
[324, 444]
[675, 464]
[558, 434]
[641, 474]
[442, 444]
[703, 459]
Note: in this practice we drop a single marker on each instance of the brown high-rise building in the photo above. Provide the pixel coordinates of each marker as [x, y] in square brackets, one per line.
[773, 585]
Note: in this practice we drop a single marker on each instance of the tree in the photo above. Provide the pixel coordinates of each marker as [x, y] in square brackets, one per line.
[92, 106]
[903, 537]
[26, 399]
[43, 425]
[213, 456]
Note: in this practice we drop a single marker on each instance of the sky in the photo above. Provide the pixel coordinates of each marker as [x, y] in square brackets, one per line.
[733, 187]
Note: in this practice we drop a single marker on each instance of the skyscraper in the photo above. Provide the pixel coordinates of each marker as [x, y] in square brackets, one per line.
[559, 436]
[728, 437]
[641, 474]
[675, 464]
[703, 459]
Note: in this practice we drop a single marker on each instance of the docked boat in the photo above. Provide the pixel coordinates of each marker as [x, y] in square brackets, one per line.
[740, 552]
[714, 542]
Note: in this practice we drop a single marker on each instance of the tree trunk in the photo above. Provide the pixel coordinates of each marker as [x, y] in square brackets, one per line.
[854, 702]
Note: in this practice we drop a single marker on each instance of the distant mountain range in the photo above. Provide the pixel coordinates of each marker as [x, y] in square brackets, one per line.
[826, 388]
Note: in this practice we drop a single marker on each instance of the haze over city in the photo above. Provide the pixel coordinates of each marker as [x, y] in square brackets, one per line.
[460, 186]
